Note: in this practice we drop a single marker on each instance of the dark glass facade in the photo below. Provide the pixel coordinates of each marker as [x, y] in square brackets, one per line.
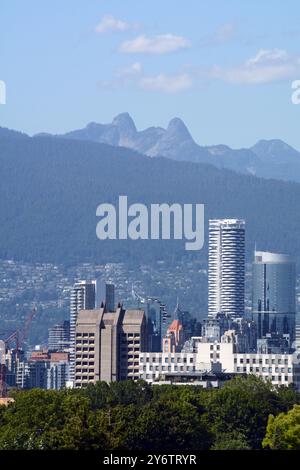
[273, 295]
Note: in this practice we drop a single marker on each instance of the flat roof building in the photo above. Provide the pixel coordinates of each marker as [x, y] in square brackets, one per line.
[108, 345]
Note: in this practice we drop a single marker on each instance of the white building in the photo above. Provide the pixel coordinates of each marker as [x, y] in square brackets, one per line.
[82, 297]
[226, 267]
[152, 366]
[278, 368]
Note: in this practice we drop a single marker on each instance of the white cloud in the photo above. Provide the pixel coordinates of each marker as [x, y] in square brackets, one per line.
[110, 23]
[268, 56]
[132, 76]
[160, 44]
[167, 83]
[268, 65]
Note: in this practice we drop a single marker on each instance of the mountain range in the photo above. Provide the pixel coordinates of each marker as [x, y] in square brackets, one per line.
[267, 158]
[50, 189]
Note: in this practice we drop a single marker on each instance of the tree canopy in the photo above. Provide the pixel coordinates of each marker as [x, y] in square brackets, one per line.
[134, 416]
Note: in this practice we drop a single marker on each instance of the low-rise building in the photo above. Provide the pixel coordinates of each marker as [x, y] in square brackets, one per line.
[280, 369]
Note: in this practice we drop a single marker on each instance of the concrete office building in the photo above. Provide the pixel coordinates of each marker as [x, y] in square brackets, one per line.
[108, 345]
[226, 267]
[274, 294]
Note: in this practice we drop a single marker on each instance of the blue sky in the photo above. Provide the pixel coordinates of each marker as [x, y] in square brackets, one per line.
[224, 67]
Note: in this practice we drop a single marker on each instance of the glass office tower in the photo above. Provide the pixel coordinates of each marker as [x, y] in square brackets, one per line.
[274, 294]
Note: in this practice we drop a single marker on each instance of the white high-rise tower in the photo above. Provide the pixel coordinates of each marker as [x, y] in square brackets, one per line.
[226, 267]
[83, 297]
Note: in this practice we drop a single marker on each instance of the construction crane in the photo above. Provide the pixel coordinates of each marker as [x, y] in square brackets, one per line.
[18, 336]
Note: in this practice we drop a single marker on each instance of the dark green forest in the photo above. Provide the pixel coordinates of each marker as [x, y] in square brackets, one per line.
[50, 189]
[246, 413]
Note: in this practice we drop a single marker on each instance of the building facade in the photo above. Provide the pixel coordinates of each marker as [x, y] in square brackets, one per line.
[274, 295]
[105, 293]
[83, 296]
[279, 369]
[59, 337]
[108, 345]
[226, 267]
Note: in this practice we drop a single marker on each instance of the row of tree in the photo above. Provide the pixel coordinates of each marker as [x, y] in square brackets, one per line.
[246, 413]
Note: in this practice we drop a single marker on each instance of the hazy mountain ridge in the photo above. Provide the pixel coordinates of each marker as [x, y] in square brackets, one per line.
[267, 158]
[50, 189]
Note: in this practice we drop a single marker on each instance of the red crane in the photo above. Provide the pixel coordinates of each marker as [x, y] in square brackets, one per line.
[18, 337]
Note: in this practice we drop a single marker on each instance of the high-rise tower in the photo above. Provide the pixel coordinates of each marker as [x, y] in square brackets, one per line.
[274, 294]
[226, 267]
[83, 297]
